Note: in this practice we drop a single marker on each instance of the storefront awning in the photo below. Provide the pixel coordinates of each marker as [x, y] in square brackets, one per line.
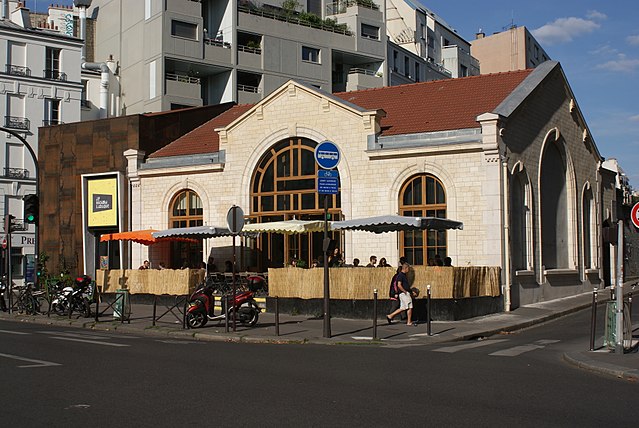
[144, 237]
[196, 232]
[396, 223]
[286, 227]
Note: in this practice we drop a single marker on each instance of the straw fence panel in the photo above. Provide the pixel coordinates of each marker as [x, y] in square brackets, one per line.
[150, 281]
[359, 283]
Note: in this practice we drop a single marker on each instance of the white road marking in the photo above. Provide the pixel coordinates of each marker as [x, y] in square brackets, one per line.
[180, 342]
[70, 334]
[546, 341]
[457, 348]
[14, 332]
[95, 342]
[517, 350]
[38, 363]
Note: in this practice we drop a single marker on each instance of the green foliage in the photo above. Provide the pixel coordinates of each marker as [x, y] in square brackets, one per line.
[290, 6]
[302, 264]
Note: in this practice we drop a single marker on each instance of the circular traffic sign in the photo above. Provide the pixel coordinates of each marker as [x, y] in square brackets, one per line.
[634, 215]
[235, 219]
[327, 155]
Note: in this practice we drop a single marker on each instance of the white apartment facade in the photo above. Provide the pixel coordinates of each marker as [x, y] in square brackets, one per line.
[39, 86]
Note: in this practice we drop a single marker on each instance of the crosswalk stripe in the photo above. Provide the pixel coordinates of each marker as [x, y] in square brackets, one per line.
[78, 335]
[517, 350]
[457, 348]
[37, 363]
[95, 342]
[14, 332]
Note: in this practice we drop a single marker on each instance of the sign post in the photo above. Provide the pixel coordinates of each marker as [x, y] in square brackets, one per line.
[235, 222]
[327, 156]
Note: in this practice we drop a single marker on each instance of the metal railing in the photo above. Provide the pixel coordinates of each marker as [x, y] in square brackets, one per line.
[16, 173]
[363, 71]
[14, 122]
[338, 7]
[182, 78]
[49, 122]
[216, 42]
[18, 70]
[54, 74]
[292, 20]
[247, 88]
[243, 48]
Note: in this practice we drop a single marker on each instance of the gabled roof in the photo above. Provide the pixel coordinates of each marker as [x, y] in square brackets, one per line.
[439, 105]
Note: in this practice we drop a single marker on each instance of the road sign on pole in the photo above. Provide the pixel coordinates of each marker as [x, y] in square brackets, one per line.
[634, 215]
[327, 182]
[327, 155]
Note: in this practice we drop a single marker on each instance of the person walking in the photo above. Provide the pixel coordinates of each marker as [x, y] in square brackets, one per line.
[405, 298]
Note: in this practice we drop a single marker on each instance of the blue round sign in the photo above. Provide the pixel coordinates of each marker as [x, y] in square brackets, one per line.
[327, 155]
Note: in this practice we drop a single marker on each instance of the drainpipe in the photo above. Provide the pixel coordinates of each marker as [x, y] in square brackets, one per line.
[5, 9]
[506, 209]
[95, 66]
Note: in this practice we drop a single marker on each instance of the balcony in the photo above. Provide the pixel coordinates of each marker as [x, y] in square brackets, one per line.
[249, 56]
[13, 122]
[16, 173]
[360, 78]
[51, 122]
[183, 86]
[248, 94]
[16, 70]
[295, 18]
[185, 7]
[339, 7]
[54, 75]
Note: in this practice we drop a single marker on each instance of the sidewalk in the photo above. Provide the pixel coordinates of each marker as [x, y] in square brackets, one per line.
[305, 330]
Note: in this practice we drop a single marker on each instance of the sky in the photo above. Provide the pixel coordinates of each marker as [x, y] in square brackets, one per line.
[597, 44]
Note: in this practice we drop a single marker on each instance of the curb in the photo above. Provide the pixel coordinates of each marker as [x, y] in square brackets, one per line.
[580, 360]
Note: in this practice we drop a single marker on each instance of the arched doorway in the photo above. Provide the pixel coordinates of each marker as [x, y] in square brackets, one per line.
[423, 195]
[283, 187]
[186, 211]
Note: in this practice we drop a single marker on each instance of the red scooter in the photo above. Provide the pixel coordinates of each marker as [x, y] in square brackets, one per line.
[202, 308]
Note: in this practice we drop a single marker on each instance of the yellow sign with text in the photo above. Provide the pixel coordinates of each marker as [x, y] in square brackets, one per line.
[102, 202]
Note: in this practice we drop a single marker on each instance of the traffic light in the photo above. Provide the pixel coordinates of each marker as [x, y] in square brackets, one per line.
[31, 208]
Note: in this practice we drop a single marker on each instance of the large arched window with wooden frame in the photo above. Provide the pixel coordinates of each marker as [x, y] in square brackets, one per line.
[423, 195]
[283, 187]
[186, 211]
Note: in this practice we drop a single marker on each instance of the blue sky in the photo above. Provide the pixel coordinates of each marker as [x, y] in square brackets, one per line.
[596, 42]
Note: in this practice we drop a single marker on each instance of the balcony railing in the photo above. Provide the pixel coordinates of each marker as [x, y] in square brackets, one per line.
[249, 49]
[54, 74]
[341, 6]
[182, 78]
[50, 122]
[247, 88]
[364, 71]
[16, 173]
[17, 123]
[18, 70]
[292, 19]
[216, 42]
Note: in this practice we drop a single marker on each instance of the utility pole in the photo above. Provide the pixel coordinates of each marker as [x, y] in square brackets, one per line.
[619, 314]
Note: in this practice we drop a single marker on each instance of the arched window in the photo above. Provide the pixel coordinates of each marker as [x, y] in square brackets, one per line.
[283, 187]
[588, 222]
[186, 211]
[521, 248]
[423, 196]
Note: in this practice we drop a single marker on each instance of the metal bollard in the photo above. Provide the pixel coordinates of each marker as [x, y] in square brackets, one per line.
[186, 302]
[155, 304]
[226, 318]
[375, 314]
[593, 319]
[428, 327]
[97, 304]
[277, 316]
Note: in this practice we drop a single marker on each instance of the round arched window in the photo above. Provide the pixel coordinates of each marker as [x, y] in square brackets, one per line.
[186, 211]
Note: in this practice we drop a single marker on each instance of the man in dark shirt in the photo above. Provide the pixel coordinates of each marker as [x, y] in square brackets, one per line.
[405, 299]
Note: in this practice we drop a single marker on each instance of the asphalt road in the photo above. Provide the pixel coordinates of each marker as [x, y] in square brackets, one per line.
[67, 377]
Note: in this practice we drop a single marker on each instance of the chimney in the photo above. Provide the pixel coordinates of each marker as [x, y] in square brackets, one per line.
[20, 16]
[480, 34]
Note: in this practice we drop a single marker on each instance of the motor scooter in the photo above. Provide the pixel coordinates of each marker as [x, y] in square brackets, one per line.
[76, 297]
[202, 308]
[3, 289]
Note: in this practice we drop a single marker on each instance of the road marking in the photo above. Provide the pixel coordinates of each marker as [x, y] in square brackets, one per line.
[180, 342]
[38, 363]
[517, 350]
[79, 335]
[14, 332]
[457, 348]
[546, 341]
[94, 342]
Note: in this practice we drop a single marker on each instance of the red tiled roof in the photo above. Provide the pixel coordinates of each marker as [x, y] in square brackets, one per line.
[202, 139]
[438, 105]
[422, 107]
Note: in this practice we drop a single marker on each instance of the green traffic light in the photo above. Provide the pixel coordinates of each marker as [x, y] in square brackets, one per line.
[30, 218]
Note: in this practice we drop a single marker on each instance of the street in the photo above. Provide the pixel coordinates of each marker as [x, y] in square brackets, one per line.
[70, 377]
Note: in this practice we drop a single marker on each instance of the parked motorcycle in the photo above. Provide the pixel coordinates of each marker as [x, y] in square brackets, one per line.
[77, 298]
[3, 290]
[202, 308]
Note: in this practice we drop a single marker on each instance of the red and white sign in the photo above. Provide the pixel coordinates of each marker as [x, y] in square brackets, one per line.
[634, 215]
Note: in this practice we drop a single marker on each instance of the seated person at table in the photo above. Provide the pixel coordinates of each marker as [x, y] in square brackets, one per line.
[145, 265]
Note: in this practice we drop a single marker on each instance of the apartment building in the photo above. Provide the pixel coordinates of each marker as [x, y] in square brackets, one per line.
[39, 86]
[423, 47]
[512, 49]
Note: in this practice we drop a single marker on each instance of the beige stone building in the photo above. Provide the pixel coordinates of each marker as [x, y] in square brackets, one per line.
[509, 50]
[508, 154]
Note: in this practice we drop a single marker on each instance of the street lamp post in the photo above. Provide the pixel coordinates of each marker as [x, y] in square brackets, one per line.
[37, 192]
